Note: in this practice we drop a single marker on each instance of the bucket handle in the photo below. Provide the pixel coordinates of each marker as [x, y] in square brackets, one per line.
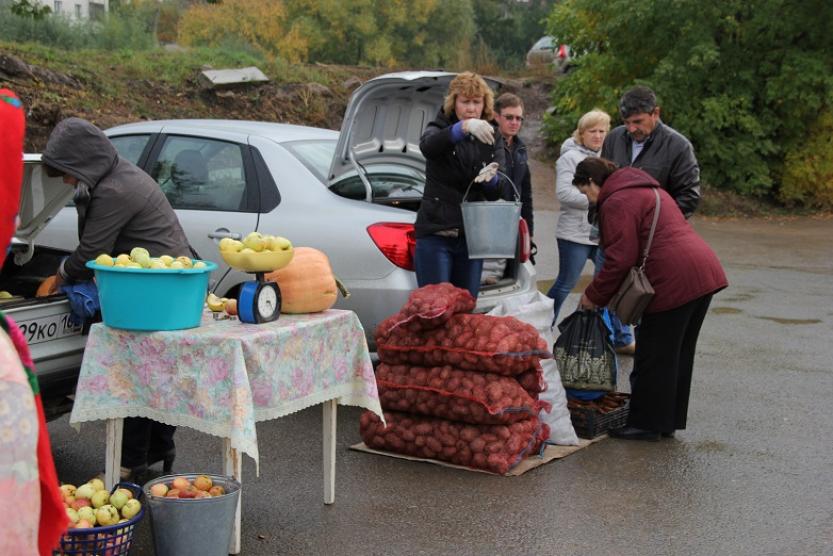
[517, 195]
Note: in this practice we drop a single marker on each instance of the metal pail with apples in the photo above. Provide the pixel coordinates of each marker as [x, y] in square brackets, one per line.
[192, 513]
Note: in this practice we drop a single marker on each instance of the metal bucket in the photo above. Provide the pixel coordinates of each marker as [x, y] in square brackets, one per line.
[491, 227]
[201, 526]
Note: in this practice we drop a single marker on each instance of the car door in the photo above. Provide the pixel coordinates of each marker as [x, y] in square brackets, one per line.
[212, 185]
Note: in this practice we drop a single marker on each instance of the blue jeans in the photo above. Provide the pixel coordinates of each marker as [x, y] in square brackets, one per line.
[445, 259]
[571, 259]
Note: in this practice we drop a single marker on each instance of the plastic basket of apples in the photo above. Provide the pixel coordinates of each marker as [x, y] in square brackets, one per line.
[101, 522]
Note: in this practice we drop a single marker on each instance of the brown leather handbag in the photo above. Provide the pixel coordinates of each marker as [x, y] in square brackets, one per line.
[635, 292]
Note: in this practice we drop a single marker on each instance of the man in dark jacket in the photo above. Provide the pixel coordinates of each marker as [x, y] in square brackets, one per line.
[509, 115]
[119, 207]
[645, 142]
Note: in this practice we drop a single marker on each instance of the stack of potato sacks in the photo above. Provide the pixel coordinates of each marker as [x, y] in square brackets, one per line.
[456, 386]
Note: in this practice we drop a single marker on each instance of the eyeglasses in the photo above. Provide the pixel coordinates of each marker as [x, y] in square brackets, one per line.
[512, 118]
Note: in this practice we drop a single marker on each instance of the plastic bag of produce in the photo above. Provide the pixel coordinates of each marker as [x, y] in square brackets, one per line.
[584, 352]
[474, 342]
[428, 307]
[448, 393]
[495, 448]
[536, 309]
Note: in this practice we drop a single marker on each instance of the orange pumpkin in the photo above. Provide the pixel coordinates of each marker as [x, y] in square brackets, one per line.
[307, 282]
[45, 287]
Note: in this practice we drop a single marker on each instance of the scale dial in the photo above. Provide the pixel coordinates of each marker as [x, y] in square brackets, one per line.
[267, 303]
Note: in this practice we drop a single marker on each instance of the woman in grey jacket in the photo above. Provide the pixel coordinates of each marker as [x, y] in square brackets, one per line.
[576, 239]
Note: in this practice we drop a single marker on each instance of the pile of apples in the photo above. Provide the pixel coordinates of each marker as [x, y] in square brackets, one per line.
[139, 257]
[201, 487]
[255, 242]
[91, 505]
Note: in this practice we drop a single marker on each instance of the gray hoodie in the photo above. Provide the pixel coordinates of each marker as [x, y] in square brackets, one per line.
[119, 206]
[572, 218]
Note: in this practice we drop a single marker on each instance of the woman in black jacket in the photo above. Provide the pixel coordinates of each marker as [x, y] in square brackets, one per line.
[459, 150]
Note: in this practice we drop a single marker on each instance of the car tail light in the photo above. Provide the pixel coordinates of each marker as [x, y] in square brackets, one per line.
[524, 241]
[562, 51]
[396, 241]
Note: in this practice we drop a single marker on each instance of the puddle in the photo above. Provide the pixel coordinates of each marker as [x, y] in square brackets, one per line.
[725, 310]
[737, 297]
[791, 321]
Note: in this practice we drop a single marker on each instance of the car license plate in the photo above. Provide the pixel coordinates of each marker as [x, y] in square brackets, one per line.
[49, 328]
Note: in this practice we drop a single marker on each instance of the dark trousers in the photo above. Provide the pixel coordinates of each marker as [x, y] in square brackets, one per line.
[663, 365]
[145, 441]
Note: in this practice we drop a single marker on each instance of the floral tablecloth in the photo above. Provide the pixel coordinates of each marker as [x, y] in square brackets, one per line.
[224, 376]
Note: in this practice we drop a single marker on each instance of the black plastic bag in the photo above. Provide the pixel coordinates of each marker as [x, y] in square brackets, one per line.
[584, 353]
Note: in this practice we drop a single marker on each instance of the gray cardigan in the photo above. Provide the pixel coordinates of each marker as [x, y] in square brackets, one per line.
[572, 217]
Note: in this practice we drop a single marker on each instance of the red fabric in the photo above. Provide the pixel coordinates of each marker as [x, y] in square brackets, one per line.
[681, 266]
[12, 124]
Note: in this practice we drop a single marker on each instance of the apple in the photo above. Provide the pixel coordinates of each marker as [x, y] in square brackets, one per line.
[172, 493]
[215, 304]
[200, 264]
[107, 515]
[104, 260]
[97, 483]
[159, 489]
[87, 513]
[79, 503]
[127, 491]
[68, 489]
[118, 499]
[176, 264]
[180, 483]
[278, 243]
[202, 494]
[166, 259]
[122, 259]
[231, 307]
[189, 492]
[186, 262]
[72, 515]
[255, 241]
[203, 482]
[130, 509]
[216, 490]
[157, 264]
[85, 491]
[100, 498]
[83, 524]
[228, 244]
[139, 253]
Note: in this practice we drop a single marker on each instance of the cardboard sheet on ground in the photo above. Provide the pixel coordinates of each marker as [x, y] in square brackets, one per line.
[550, 453]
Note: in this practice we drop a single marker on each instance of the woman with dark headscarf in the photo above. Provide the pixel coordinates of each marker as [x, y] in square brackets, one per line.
[684, 272]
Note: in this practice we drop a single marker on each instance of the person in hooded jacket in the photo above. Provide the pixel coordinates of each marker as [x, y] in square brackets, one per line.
[684, 272]
[575, 237]
[459, 150]
[119, 207]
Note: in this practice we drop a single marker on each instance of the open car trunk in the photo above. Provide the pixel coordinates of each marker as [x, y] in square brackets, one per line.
[55, 343]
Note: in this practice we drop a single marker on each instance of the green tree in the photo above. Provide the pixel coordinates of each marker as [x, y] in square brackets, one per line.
[747, 82]
[509, 28]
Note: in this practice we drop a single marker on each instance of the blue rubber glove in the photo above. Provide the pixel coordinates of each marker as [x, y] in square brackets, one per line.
[83, 301]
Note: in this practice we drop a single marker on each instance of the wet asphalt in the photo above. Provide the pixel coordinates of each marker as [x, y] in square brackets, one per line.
[752, 475]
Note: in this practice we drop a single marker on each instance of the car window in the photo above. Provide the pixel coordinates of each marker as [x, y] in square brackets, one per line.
[130, 147]
[387, 185]
[315, 155]
[545, 43]
[201, 174]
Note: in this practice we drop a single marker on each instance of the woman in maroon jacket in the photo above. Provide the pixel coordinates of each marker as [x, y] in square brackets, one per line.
[684, 272]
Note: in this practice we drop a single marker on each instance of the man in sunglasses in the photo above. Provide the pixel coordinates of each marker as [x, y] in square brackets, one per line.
[643, 141]
[509, 116]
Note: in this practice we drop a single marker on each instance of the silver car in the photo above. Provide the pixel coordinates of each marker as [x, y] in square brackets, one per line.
[352, 194]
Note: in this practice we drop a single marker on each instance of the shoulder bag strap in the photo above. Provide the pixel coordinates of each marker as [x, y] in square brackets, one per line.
[653, 228]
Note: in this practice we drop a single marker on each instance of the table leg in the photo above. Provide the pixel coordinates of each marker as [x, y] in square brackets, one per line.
[233, 466]
[330, 417]
[112, 454]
